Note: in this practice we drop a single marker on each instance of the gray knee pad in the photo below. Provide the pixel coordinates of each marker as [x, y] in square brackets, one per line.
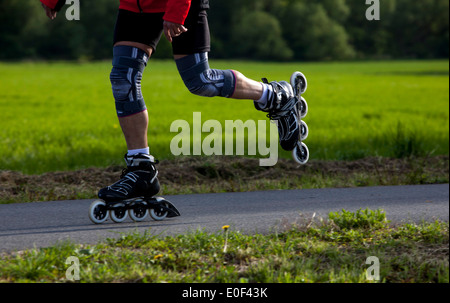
[126, 75]
[203, 81]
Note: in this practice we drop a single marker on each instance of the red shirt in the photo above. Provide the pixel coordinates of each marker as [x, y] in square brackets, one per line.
[175, 11]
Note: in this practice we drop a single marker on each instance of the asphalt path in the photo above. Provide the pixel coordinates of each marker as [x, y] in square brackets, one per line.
[42, 224]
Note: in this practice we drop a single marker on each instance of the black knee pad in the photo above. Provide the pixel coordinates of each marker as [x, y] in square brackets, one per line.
[126, 75]
[203, 81]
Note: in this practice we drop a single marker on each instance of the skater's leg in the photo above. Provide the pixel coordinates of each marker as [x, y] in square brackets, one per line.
[140, 177]
[136, 37]
[247, 88]
[146, 48]
[134, 123]
[201, 80]
[275, 98]
[140, 32]
[135, 129]
[244, 88]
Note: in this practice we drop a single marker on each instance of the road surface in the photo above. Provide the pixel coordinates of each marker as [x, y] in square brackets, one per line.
[42, 224]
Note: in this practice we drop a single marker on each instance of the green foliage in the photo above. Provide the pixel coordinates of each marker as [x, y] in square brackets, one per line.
[28, 32]
[313, 35]
[12, 16]
[255, 29]
[360, 219]
[261, 39]
[407, 29]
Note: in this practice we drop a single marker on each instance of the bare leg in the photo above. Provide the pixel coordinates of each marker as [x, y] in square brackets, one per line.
[135, 127]
[247, 88]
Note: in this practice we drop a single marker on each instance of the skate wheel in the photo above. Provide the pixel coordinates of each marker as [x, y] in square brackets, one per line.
[301, 153]
[304, 130]
[303, 108]
[299, 83]
[118, 213]
[98, 212]
[159, 213]
[138, 212]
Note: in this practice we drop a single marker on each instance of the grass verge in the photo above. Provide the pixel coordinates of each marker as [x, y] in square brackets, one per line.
[310, 250]
[229, 174]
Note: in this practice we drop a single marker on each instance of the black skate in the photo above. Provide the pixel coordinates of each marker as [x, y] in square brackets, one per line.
[300, 85]
[282, 107]
[133, 195]
[287, 106]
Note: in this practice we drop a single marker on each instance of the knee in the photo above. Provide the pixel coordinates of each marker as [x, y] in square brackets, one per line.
[120, 84]
[126, 77]
[206, 84]
[203, 81]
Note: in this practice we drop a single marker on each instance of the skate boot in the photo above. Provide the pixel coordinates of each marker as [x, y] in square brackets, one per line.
[133, 195]
[282, 107]
[139, 179]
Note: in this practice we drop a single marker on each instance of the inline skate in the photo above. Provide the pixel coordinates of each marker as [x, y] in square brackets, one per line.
[286, 105]
[299, 84]
[133, 195]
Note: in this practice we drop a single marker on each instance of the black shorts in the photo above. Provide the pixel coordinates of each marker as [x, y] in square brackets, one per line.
[147, 28]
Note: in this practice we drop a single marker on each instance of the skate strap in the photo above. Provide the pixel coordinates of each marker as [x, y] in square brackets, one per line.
[284, 111]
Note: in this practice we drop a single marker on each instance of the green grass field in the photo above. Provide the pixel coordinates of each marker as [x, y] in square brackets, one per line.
[61, 116]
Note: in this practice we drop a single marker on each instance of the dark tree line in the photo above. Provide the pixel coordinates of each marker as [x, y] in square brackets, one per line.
[254, 29]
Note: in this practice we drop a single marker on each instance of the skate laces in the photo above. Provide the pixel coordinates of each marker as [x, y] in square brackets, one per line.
[128, 178]
[125, 183]
[129, 169]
